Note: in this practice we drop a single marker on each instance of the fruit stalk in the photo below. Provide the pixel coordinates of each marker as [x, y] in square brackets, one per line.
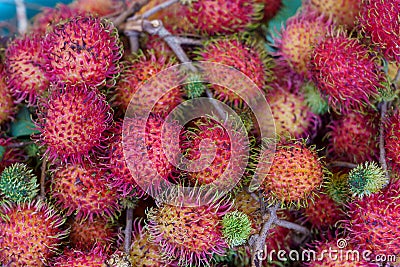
[128, 230]
[43, 178]
[382, 153]
[21, 15]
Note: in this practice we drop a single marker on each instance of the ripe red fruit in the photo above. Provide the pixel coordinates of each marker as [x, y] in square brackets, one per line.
[7, 108]
[271, 8]
[75, 258]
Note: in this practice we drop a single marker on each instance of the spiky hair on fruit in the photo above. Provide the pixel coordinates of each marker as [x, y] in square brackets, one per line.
[337, 187]
[382, 212]
[25, 68]
[221, 166]
[354, 137]
[80, 189]
[119, 259]
[295, 174]
[313, 99]
[9, 154]
[233, 51]
[194, 87]
[291, 115]
[31, 233]
[392, 135]
[138, 70]
[190, 235]
[83, 50]
[379, 21]
[236, 228]
[76, 258]
[297, 39]
[71, 122]
[7, 107]
[343, 12]
[85, 235]
[344, 70]
[143, 252]
[18, 184]
[221, 17]
[367, 179]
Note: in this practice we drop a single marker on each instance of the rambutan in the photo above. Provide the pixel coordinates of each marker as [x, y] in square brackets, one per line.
[71, 122]
[7, 108]
[344, 70]
[354, 137]
[293, 177]
[313, 99]
[236, 228]
[98, 8]
[139, 70]
[25, 72]
[30, 234]
[337, 187]
[75, 258]
[298, 38]
[189, 235]
[379, 20]
[245, 56]
[392, 143]
[271, 8]
[80, 189]
[118, 259]
[10, 154]
[83, 50]
[221, 17]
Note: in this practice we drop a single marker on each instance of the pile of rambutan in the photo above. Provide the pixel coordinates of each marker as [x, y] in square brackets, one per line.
[112, 153]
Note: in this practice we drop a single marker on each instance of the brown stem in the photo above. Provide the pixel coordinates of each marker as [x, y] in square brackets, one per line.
[292, 226]
[382, 152]
[43, 178]
[20, 144]
[128, 230]
[129, 12]
[342, 164]
[158, 8]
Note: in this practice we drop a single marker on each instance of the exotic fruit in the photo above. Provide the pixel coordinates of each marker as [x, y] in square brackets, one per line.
[97, 7]
[26, 75]
[7, 108]
[10, 155]
[223, 17]
[294, 176]
[271, 8]
[30, 234]
[80, 189]
[233, 52]
[83, 50]
[72, 121]
[189, 235]
[301, 33]
[75, 258]
[343, 12]
[374, 221]
[379, 20]
[354, 137]
[392, 142]
[343, 69]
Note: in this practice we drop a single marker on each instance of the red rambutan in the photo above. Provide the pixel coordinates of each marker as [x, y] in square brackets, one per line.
[271, 8]
[75, 258]
[7, 108]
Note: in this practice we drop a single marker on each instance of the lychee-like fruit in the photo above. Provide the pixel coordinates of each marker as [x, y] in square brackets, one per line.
[30, 233]
[379, 20]
[80, 189]
[98, 8]
[293, 177]
[71, 122]
[25, 68]
[82, 50]
[392, 142]
[245, 56]
[298, 38]
[7, 108]
[236, 228]
[337, 187]
[221, 17]
[354, 137]
[313, 98]
[344, 70]
[9, 153]
[76, 258]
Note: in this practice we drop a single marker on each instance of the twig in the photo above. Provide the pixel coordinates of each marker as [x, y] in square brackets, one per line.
[158, 8]
[128, 230]
[133, 40]
[293, 226]
[21, 15]
[342, 164]
[43, 178]
[382, 152]
[20, 144]
[130, 11]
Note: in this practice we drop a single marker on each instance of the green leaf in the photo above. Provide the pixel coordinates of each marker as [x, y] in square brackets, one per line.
[23, 125]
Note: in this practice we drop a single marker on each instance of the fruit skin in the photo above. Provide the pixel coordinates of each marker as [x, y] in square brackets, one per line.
[379, 21]
[80, 189]
[11, 155]
[83, 50]
[294, 176]
[71, 122]
[31, 234]
[221, 17]
[354, 137]
[392, 143]
[236, 228]
[98, 8]
[343, 69]
[374, 221]
[75, 258]
[25, 68]
[7, 108]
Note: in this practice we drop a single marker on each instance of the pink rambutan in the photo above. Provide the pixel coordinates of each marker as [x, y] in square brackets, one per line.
[343, 69]
[7, 108]
[392, 142]
[30, 233]
[354, 137]
[71, 122]
[379, 20]
[223, 17]
[83, 50]
[81, 189]
[26, 75]
[75, 258]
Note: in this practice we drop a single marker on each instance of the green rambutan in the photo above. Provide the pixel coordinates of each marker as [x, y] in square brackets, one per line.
[25, 70]
[30, 233]
[194, 86]
[392, 141]
[354, 137]
[293, 177]
[337, 187]
[18, 184]
[236, 228]
[7, 108]
[379, 20]
[82, 50]
[313, 99]
[80, 189]
[344, 70]
[71, 122]
[76, 258]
